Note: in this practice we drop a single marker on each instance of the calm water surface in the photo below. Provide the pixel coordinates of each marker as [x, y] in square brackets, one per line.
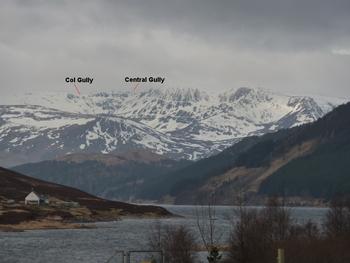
[97, 245]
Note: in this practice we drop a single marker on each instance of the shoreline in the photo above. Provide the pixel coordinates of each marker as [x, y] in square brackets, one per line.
[45, 224]
[49, 224]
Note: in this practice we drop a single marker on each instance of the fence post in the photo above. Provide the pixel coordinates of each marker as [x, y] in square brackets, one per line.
[280, 255]
[128, 257]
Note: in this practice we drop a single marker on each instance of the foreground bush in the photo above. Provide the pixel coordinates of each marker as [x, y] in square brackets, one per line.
[257, 234]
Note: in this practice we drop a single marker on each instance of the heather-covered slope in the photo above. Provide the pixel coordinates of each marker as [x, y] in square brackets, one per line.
[66, 204]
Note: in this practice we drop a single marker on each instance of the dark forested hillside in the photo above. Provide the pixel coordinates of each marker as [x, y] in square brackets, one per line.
[325, 172]
[312, 160]
[108, 176]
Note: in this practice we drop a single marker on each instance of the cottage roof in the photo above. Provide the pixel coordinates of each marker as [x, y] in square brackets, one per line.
[32, 196]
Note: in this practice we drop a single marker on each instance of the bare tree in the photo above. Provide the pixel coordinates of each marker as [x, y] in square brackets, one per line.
[256, 233]
[278, 217]
[155, 239]
[337, 222]
[209, 234]
[177, 243]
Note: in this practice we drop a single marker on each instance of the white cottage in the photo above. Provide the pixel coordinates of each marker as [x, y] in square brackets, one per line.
[34, 199]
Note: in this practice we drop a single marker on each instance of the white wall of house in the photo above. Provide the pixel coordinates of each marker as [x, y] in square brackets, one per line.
[32, 198]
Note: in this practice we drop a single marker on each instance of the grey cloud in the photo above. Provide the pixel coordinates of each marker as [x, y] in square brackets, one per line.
[269, 23]
[286, 45]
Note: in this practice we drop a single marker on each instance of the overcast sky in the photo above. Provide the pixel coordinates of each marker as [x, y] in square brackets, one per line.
[289, 46]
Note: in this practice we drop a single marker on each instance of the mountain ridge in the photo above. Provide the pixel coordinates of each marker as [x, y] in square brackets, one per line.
[272, 164]
[179, 123]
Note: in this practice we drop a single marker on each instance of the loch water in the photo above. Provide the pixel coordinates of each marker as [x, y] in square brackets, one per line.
[99, 244]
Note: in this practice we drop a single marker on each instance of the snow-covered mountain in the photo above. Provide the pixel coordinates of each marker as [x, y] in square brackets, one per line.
[179, 123]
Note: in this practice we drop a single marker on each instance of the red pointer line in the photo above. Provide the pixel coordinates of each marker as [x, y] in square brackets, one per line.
[136, 87]
[77, 89]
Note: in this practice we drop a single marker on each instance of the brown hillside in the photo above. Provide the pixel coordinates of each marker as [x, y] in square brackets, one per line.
[16, 186]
